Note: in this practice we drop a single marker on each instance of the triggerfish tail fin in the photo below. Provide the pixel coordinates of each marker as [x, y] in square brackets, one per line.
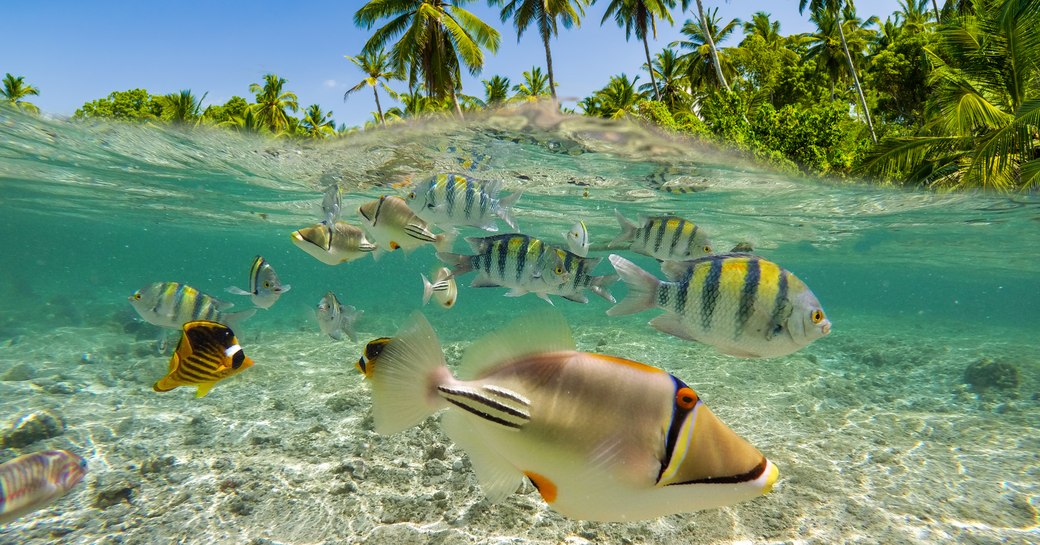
[405, 376]
[642, 288]
[628, 231]
[505, 208]
[460, 264]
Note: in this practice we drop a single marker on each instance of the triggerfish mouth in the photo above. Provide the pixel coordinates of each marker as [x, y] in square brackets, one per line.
[601, 438]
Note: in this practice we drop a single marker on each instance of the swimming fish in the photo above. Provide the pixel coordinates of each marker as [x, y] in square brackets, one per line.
[393, 225]
[515, 261]
[170, 305]
[578, 239]
[443, 288]
[602, 438]
[331, 204]
[454, 200]
[743, 305]
[264, 285]
[663, 237]
[335, 319]
[33, 481]
[347, 242]
[207, 353]
[578, 269]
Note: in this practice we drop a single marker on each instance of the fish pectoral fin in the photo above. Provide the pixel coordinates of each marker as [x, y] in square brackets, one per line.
[238, 291]
[484, 283]
[672, 325]
[497, 477]
[204, 389]
[516, 292]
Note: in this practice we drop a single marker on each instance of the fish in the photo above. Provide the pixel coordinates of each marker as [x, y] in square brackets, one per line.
[743, 305]
[578, 269]
[394, 226]
[578, 239]
[335, 319]
[519, 262]
[331, 204]
[171, 304]
[264, 285]
[443, 288]
[601, 438]
[455, 200]
[34, 481]
[207, 353]
[663, 237]
[346, 243]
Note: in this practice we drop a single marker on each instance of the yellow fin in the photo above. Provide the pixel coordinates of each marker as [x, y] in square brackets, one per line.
[204, 389]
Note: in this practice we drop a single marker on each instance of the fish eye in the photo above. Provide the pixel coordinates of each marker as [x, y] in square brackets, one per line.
[267, 284]
[411, 195]
[707, 249]
[686, 398]
[817, 316]
[559, 270]
[137, 296]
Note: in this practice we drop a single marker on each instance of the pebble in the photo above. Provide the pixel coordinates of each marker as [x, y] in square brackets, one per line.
[31, 428]
[22, 371]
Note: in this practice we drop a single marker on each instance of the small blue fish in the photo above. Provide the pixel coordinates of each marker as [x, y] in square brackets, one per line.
[264, 285]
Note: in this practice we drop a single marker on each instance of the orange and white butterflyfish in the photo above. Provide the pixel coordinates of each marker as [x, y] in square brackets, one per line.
[207, 353]
[601, 438]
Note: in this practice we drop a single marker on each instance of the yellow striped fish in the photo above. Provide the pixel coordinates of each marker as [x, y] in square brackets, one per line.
[171, 304]
[343, 243]
[33, 481]
[601, 438]
[207, 353]
[741, 304]
[519, 262]
[668, 238]
[454, 200]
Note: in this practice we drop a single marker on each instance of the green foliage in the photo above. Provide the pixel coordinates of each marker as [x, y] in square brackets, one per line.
[15, 90]
[534, 86]
[234, 108]
[659, 114]
[181, 108]
[132, 105]
[819, 139]
[271, 103]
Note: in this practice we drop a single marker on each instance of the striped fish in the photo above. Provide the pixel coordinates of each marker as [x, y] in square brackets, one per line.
[454, 200]
[336, 319]
[515, 261]
[393, 225]
[343, 243]
[578, 239]
[443, 288]
[207, 353]
[264, 285]
[578, 268]
[600, 437]
[170, 305]
[668, 238]
[33, 481]
[741, 304]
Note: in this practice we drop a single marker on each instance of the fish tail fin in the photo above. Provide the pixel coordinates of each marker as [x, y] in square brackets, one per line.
[445, 241]
[165, 384]
[600, 285]
[460, 264]
[505, 208]
[427, 290]
[234, 318]
[405, 377]
[351, 316]
[628, 230]
[642, 288]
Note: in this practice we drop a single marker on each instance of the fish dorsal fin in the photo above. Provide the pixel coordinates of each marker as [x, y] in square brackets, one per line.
[497, 477]
[532, 333]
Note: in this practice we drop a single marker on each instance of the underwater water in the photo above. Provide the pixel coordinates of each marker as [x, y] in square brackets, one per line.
[917, 420]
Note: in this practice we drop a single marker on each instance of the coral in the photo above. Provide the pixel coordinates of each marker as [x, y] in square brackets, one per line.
[987, 373]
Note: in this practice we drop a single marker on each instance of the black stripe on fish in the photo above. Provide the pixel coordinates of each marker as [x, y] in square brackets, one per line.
[449, 195]
[662, 226]
[483, 406]
[755, 473]
[508, 394]
[748, 294]
[674, 427]
[503, 255]
[375, 215]
[521, 257]
[777, 318]
[470, 191]
[689, 243]
[254, 274]
[676, 237]
[646, 228]
[682, 294]
[485, 203]
[710, 292]
[419, 232]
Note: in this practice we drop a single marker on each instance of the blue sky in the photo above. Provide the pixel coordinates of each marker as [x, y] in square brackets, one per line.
[78, 51]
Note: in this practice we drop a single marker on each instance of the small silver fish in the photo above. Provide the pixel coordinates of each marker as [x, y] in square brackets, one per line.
[578, 239]
[443, 288]
[668, 238]
[331, 204]
[264, 285]
[519, 262]
[171, 305]
[335, 319]
[33, 481]
[454, 200]
[345, 242]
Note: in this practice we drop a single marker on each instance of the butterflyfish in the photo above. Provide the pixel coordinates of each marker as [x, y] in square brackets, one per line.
[207, 353]
[34, 481]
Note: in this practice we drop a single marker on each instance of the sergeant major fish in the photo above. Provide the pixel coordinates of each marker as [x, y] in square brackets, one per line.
[335, 319]
[743, 305]
[443, 288]
[170, 305]
[207, 353]
[343, 243]
[452, 199]
[668, 238]
[600, 437]
[33, 481]
[264, 285]
[393, 225]
[579, 279]
[515, 261]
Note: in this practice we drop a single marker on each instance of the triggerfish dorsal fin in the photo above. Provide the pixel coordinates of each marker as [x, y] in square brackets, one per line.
[534, 333]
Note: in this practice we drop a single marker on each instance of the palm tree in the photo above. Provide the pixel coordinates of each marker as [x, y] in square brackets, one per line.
[835, 8]
[544, 14]
[271, 103]
[670, 70]
[496, 90]
[762, 25]
[699, 61]
[181, 108]
[640, 16]
[914, 14]
[535, 85]
[15, 90]
[318, 124]
[377, 69]
[245, 122]
[434, 39]
[711, 42]
[619, 98]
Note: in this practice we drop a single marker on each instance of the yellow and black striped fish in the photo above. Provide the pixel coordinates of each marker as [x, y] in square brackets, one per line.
[455, 200]
[171, 304]
[663, 237]
[207, 353]
[519, 262]
[741, 304]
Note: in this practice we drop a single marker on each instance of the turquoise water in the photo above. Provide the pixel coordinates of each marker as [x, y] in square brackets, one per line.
[877, 436]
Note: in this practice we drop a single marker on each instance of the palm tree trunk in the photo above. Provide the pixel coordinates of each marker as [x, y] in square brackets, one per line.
[378, 107]
[458, 107]
[548, 56]
[935, 6]
[711, 46]
[855, 80]
[650, 68]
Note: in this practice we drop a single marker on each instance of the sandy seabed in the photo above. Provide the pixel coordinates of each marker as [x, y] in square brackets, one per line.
[876, 435]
